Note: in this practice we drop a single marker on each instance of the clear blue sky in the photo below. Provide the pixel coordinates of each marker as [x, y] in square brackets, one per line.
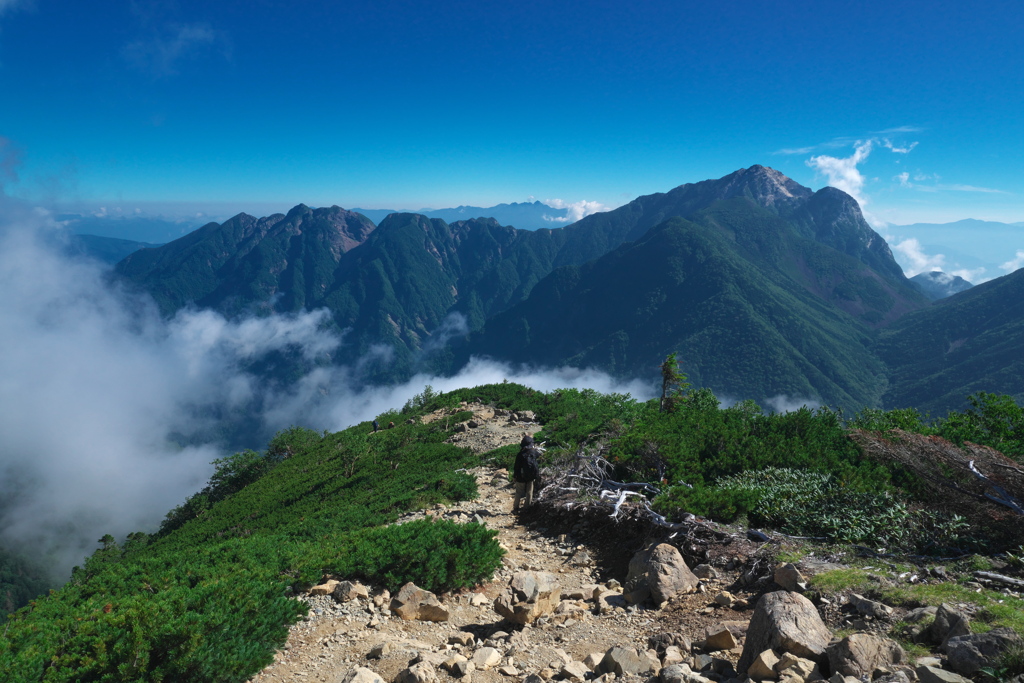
[412, 104]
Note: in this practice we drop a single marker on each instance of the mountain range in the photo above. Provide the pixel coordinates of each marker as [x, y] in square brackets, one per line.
[524, 215]
[762, 286]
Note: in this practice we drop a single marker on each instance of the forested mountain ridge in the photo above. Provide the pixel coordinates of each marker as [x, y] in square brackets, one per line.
[246, 262]
[970, 341]
[795, 287]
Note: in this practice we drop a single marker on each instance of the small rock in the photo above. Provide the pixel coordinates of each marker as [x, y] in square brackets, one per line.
[361, 675]
[593, 660]
[790, 578]
[625, 660]
[931, 674]
[870, 608]
[461, 638]
[763, 666]
[325, 588]
[423, 672]
[705, 571]
[576, 671]
[486, 658]
[378, 651]
[719, 638]
[725, 599]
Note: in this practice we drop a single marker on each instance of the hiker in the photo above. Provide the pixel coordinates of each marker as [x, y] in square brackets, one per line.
[376, 425]
[525, 471]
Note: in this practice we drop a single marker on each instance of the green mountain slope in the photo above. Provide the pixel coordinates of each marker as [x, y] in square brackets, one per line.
[742, 326]
[972, 341]
[246, 262]
[394, 288]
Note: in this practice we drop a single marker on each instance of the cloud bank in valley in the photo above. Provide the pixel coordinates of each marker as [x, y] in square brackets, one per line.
[109, 409]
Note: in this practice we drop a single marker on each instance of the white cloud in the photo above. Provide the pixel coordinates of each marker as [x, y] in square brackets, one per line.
[973, 275]
[843, 174]
[898, 150]
[904, 179]
[111, 413]
[576, 210]
[1015, 263]
[919, 262]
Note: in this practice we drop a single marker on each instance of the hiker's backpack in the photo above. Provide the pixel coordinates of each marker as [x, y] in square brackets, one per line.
[527, 468]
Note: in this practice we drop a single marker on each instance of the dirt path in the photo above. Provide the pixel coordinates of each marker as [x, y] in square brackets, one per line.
[335, 637]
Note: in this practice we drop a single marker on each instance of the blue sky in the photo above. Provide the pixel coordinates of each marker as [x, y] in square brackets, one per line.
[915, 107]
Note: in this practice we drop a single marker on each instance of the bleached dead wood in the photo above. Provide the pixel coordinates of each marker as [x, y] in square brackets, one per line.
[999, 578]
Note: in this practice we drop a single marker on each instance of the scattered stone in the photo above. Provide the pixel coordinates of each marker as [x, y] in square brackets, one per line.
[422, 672]
[461, 638]
[478, 600]
[378, 651]
[361, 674]
[325, 588]
[949, 622]
[787, 622]
[463, 668]
[677, 673]
[413, 603]
[662, 641]
[508, 670]
[576, 671]
[662, 571]
[790, 578]
[625, 660]
[968, 654]
[931, 674]
[719, 638]
[789, 665]
[870, 608]
[532, 595]
[725, 599]
[347, 590]
[705, 571]
[673, 655]
[862, 653]
[486, 658]
[593, 660]
[763, 666]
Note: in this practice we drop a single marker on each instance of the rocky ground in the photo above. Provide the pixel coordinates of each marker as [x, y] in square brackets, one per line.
[337, 637]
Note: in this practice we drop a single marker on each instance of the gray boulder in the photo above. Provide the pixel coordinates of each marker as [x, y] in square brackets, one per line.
[423, 672]
[623, 661]
[862, 653]
[949, 622]
[870, 608]
[531, 595]
[414, 603]
[970, 653]
[790, 578]
[786, 622]
[361, 674]
[660, 572]
[932, 674]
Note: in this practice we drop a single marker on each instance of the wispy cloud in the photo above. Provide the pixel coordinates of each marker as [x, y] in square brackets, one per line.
[898, 150]
[842, 173]
[918, 260]
[899, 129]
[575, 210]
[904, 181]
[1015, 263]
[973, 275]
[163, 52]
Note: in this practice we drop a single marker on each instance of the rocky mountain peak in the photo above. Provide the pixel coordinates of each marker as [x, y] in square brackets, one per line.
[766, 186]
